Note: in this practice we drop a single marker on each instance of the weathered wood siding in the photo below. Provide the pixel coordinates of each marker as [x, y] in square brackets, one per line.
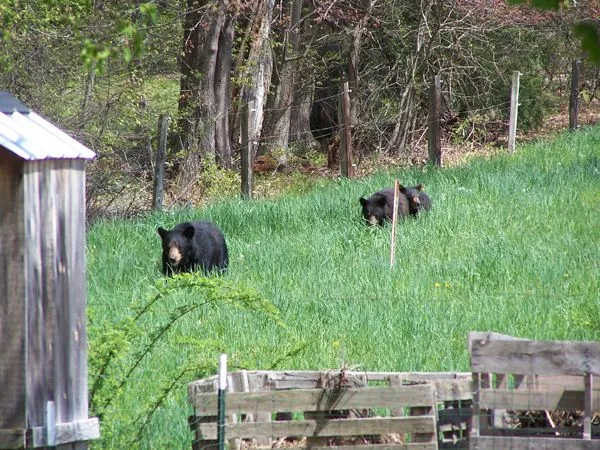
[12, 285]
[42, 301]
[55, 268]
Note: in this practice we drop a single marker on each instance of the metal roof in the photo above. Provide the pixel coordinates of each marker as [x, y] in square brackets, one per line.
[31, 137]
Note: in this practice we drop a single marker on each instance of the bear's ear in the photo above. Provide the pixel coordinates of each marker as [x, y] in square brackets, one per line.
[402, 188]
[162, 232]
[363, 201]
[419, 187]
[189, 232]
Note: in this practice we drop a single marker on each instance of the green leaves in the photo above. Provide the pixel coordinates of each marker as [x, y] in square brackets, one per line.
[131, 32]
[589, 34]
[150, 11]
[94, 56]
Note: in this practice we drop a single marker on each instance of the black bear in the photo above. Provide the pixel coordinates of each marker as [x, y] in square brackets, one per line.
[418, 200]
[192, 245]
[379, 206]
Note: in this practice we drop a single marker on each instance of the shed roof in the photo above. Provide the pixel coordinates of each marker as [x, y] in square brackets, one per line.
[30, 137]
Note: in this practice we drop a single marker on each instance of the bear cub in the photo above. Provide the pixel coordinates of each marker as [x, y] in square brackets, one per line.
[379, 207]
[418, 200]
[193, 245]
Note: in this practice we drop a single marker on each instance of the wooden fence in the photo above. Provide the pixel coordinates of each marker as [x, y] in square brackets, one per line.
[513, 382]
[517, 379]
[391, 411]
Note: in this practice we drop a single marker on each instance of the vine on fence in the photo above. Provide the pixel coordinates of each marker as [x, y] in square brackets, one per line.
[120, 350]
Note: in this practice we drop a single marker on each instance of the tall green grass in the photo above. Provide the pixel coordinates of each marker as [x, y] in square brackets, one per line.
[512, 245]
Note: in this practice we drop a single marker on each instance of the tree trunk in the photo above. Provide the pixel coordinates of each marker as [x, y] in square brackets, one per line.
[188, 85]
[300, 113]
[259, 67]
[198, 108]
[223, 93]
[277, 122]
[90, 83]
[352, 71]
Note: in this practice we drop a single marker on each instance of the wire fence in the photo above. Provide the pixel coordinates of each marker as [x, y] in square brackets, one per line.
[395, 130]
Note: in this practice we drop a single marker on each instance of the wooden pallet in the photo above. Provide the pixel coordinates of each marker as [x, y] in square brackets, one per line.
[387, 410]
[512, 374]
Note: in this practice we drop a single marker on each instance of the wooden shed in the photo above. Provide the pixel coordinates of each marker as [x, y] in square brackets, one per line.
[43, 342]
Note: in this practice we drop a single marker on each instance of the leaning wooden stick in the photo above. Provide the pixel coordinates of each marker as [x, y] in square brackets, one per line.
[394, 220]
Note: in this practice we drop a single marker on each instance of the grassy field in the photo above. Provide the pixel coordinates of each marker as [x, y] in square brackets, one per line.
[512, 245]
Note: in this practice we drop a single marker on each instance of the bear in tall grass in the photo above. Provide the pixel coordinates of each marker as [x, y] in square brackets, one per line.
[379, 207]
[193, 245]
[418, 200]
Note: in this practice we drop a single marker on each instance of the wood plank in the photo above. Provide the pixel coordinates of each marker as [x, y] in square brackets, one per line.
[536, 399]
[396, 381]
[536, 357]
[74, 276]
[567, 383]
[530, 443]
[39, 299]
[453, 427]
[333, 427]
[316, 440]
[478, 422]
[200, 441]
[83, 430]
[258, 382]
[453, 390]
[427, 436]
[317, 399]
[570, 432]
[310, 379]
[12, 439]
[235, 383]
[485, 336]
[588, 402]
[13, 329]
[408, 446]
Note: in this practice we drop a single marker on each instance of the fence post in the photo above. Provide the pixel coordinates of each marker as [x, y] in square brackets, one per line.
[574, 98]
[347, 166]
[247, 154]
[434, 143]
[159, 165]
[394, 221]
[514, 106]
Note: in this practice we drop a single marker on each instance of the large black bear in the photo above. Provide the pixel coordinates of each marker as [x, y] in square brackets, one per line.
[193, 245]
[379, 207]
[418, 200]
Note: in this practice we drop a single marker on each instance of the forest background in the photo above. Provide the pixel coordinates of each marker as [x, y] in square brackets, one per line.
[105, 71]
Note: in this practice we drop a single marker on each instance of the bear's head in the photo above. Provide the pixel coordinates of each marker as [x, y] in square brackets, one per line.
[373, 209]
[177, 245]
[413, 195]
